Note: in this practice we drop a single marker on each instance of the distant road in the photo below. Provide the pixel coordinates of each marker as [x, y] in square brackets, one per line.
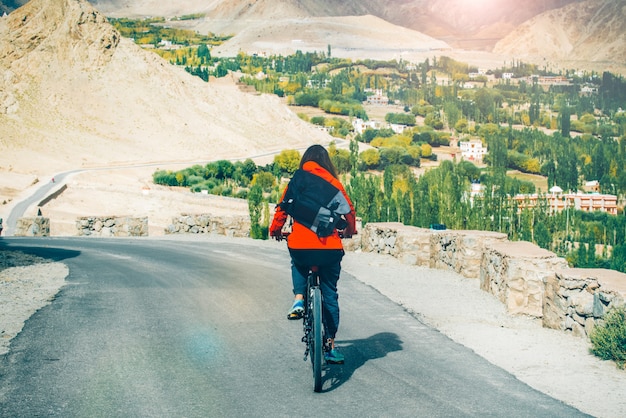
[21, 207]
[196, 328]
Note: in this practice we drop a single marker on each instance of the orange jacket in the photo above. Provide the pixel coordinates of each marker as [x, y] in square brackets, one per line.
[301, 237]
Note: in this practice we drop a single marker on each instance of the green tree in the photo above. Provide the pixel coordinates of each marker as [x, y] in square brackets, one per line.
[370, 158]
[565, 121]
[256, 208]
[566, 173]
[354, 156]
[543, 237]
[204, 54]
[288, 161]
[264, 179]
[248, 168]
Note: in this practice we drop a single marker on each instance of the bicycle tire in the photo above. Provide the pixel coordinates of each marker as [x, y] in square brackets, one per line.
[317, 343]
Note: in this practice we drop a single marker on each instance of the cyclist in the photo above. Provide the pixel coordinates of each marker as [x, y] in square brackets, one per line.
[308, 249]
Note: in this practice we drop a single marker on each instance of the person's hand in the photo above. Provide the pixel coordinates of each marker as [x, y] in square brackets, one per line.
[346, 234]
[278, 235]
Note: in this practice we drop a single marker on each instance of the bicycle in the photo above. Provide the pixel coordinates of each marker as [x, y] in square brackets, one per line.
[313, 326]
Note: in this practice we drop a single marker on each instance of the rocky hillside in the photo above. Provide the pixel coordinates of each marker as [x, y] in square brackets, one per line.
[564, 33]
[593, 31]
[461, 23]
[533, 28]
[74, 93]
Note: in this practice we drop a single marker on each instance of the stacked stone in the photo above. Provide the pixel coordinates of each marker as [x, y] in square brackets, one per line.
[527, 279]
[37, 226]
[112, 226]
[576, 299]
[462, 251]
[516, 273]
[231, 226]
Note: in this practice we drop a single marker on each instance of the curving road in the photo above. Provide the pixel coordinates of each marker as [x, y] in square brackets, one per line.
[177, 327]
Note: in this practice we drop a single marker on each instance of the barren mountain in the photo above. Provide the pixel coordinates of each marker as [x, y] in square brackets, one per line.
[548, 32]
[593, 31]
[74, 94]
[350, 37]
[562, 33]
[461, 23]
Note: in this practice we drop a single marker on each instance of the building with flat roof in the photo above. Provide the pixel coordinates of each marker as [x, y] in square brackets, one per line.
[557, 202]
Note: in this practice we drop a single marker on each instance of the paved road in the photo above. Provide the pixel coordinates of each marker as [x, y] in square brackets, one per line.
[38, 195]
[197, 328]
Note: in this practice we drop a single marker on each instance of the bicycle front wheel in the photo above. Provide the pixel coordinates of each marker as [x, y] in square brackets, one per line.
[317, 343]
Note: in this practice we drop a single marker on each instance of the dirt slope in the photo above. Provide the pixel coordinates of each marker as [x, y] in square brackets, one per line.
[74, 94]
[581, 34]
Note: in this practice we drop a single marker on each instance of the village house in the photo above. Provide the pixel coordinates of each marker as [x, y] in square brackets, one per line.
[549, 80]
[592, 186]
[588, 90]
[472, 150]
[398, 128]
[378, 98]
[557, 201]
[361, 125]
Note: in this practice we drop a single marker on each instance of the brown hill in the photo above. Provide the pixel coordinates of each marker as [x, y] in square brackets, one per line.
[74, 94]
[461, 23]
[349, 37]
[558, 32]
[587, 34]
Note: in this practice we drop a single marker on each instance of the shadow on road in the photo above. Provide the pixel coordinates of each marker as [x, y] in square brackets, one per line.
[357, 353]
[21, 255]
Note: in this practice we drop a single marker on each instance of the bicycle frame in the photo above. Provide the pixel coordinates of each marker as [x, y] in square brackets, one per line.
[313, 327]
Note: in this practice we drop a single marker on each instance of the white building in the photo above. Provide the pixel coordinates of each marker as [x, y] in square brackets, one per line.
[360, 125]
[377, 98]
[472, 150]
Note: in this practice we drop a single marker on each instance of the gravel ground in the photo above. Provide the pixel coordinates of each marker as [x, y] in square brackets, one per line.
[27, 283]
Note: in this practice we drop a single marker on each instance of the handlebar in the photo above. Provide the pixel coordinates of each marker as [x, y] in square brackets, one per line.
[284, 234]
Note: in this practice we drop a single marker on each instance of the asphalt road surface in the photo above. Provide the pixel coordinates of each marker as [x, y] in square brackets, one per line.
[197, 328]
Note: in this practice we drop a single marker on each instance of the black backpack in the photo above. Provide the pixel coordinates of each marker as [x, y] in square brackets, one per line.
[315, 203]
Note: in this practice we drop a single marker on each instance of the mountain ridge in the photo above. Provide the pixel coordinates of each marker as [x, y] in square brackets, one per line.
[460, 23]
[537, 30]
[591, 31]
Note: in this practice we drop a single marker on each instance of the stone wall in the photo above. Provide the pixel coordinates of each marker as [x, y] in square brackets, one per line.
[112, 226]
[575, 299]
[37, 226]
[230, 226]
[516, 273]
[462, 251]
[459, 251]
[526, 278]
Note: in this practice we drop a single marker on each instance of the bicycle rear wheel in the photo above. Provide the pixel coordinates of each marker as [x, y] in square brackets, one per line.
[317, 343]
